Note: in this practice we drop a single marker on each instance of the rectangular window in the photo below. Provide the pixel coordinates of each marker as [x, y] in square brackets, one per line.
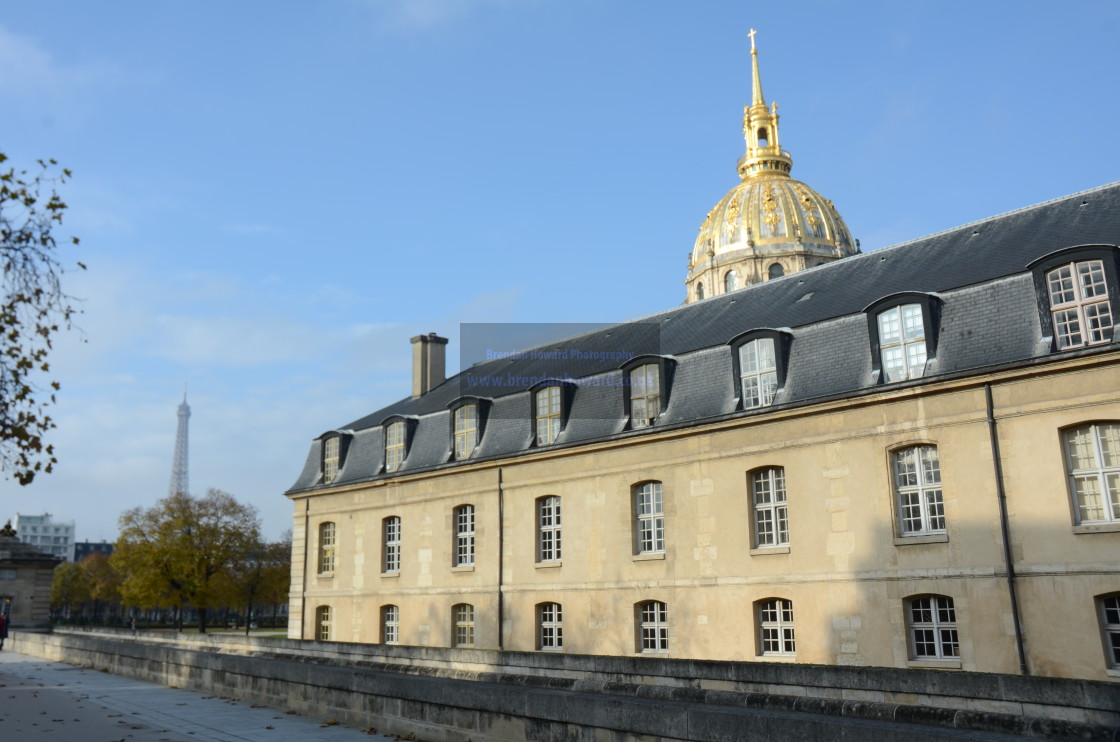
[917, 475]
[327, 537]
[466, 430]
[645, 395]
[464, 535]
[390, 624]
[1093, 463]
[394, 446]
[775, 621]
[391, 535]
[653, 627]
[771, 521]
[548, 529]
[1079, 304]
[933, 628]
[464, 625]
[758, 368]
[551, 624]
[902, 342]
[650, 518]
[548, 415]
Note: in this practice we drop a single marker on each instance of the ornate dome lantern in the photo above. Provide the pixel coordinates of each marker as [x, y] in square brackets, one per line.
[768, 225]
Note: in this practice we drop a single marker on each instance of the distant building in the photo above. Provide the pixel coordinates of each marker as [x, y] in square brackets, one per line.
[46, 534]
[25, 580]
[83, 549]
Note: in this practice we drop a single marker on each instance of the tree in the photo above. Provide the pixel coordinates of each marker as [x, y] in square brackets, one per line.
[176, 552]
[33, 309]
[103, 581]
[69, 588]
[261, 577]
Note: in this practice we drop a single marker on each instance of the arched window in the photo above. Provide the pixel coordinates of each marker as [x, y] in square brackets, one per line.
[775, 627]
[731, 280]
[771, 521]
[550, 627]
[462, 629]
[394, 445]
[390, 624]
[699, 291]
[653, 626]
[548, 529]
[1108, 607]
[323, 623]
[776, 271]
[917, 483]
[1093, 466]
[328, 534]
[649, 519]
[932, 622]
[763, 139]
[330, 459]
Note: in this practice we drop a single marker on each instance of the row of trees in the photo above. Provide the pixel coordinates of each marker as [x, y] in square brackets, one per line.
[184, 554]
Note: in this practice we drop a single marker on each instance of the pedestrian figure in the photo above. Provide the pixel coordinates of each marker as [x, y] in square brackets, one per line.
[3, 628]
[132, 625]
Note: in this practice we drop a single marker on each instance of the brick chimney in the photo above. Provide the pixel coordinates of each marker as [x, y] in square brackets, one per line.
[429, 363]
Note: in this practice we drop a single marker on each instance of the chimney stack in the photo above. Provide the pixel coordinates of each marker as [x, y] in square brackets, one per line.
[429, 363]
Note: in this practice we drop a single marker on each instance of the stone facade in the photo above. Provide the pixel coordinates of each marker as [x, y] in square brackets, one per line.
[25, 581]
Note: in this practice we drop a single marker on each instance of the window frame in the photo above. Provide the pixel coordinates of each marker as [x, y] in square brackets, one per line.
[926, 508]
[390, 624]
[549, 534]
[649, 527]
[651, 622]
[731, 281]
[782, 342]
[1108, 614]
[775, 621]
[1109, 255]
[777, 509]
[936, 626]
[564, 395]
[462, 625]
[463, 541]
[550, 627]
[407, 426]
[482, 412]
[1100, 472]
[666, 368]
[327, 548]
[340, 442]
[391, 545]
[930, 306]
[323, 622]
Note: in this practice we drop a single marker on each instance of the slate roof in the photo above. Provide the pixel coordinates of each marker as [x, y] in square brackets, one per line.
[15, 552]
[989, 315]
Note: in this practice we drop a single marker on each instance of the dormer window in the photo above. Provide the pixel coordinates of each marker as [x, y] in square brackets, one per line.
[330, 459]
[466, 430]
[903, 333]
[645, 395]
[1079, 304]
[902, 342]
[396, 436]
[760, 366]
[1077, 294]
[549, 418]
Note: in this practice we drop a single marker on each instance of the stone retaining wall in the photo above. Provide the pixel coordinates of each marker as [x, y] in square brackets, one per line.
[452, 695]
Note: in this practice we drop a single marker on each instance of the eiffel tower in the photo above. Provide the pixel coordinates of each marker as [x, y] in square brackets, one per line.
[179, 483]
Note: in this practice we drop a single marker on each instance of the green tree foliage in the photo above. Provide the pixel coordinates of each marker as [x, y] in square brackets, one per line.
[33, 309]
[69, 589]
[177, 553]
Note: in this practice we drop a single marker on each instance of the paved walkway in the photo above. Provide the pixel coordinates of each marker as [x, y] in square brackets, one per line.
[55, 702]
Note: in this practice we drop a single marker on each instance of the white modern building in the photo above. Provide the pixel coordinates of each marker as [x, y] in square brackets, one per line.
[46, 534]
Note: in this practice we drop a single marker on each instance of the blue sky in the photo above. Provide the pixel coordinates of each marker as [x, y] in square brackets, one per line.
[273, 197]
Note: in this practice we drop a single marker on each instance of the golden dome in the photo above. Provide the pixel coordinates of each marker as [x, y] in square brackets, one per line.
[768, 225]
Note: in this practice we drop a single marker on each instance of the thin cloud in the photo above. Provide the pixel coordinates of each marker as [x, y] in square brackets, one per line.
[27, 69]
[427, 14]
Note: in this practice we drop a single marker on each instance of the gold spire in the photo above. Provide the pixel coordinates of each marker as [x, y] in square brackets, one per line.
[760, 129]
